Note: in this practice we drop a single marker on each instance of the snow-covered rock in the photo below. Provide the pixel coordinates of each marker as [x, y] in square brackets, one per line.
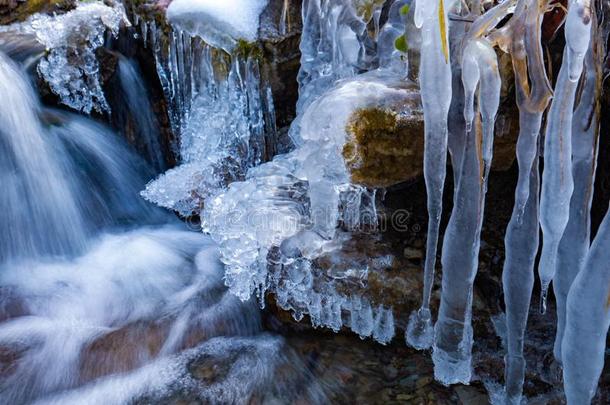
[221, 24]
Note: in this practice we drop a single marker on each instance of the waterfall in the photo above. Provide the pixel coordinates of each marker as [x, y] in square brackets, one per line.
[38, 194]
[139, 110]
[105, 297]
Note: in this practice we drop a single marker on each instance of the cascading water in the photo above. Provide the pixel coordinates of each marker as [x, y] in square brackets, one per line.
[36, 185]
[139, 111]
[102, 293]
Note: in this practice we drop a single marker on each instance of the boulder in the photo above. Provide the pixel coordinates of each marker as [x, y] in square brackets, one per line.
[385, 145]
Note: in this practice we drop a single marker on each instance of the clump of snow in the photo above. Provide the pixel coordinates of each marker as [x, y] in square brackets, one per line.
[219, 23]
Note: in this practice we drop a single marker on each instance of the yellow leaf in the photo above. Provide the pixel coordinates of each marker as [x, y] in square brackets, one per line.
[443, 27]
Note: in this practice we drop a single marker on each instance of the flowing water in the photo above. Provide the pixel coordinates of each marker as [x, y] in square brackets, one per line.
[106, 298]
[143, 119]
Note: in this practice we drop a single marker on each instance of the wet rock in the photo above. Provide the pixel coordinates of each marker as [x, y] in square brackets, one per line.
[208, 370]
[20, 46]
[507, 121]
[280, 33]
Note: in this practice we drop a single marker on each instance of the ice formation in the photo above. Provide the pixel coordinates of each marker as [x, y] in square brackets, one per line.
[522, 240]
[220, 24]
[574, 244]
[453, 331]
[291, 208]
[273, 219]
[587, 322]
[272, 226]
[223, 113]
[435, 84]
[557, 179]
[70, 66]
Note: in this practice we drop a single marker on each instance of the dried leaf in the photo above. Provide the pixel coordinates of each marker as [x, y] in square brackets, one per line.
[443, 28]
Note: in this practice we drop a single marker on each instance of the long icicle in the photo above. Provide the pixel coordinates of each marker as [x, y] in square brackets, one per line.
[574, 244]
[452, 354]
[518, 281]
[557, 180]
[522, 234]
[436, 93]
[587, 322]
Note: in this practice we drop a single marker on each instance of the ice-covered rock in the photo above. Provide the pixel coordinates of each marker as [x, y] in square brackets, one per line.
[384, 146]
[220, 24]
[287, 211]
[70, 66]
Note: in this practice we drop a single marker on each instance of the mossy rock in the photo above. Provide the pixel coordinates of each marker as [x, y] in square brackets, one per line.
[17, 11]
[384, 146]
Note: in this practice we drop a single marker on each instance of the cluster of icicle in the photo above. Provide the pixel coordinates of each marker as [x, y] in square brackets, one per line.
[70, 66]
[460, 86]
[290, 211]
[221, 110]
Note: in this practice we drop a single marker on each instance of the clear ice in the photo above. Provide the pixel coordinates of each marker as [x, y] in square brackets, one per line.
[522, 234]
[575, 242]
[272, 226]
[453, 331]
[557, 178]
[587, 320]
[223, 113]
[436, 91]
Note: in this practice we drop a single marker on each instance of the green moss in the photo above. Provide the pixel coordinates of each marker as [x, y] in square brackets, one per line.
[365, 8]
[247, 50]
[26, 9]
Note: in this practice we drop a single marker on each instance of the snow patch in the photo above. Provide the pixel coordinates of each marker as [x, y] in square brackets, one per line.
[220, 24]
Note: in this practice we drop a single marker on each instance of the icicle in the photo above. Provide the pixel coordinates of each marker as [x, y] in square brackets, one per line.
[518, 274]
[557, 181]
[574, 244]
[144, 29]
[457, 125]
[435, 84]
[518, 281]
[453, 332]
[522, 235]
[587, 322]
[284, 25]
[480, 64]
[533, 89]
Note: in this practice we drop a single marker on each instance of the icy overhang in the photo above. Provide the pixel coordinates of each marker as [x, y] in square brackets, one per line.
[220, 23]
